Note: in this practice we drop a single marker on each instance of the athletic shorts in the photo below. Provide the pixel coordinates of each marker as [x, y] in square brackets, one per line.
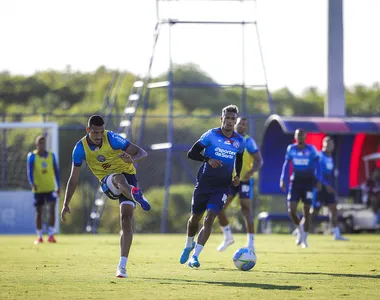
[211, 198]
[301, 189]
[323, 197]
[245, 189]
[113, 192]
[41, 198]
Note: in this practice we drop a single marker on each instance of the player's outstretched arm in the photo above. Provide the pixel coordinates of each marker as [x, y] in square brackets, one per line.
[134, 153]
[70, 189]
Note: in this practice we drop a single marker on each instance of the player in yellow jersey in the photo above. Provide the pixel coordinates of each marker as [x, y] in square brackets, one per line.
[252, 162]
[43, 176]
[110, 158]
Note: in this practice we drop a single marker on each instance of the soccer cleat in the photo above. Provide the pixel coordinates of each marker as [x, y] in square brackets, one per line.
[140, 199]
[121, 272]
[38, 241]
[304, 244]
[193, 262]
[186, 253]
[51, 239]
[224, 245]
[339, 237]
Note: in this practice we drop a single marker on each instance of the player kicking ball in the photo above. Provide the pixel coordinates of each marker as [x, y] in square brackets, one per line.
[223, 149]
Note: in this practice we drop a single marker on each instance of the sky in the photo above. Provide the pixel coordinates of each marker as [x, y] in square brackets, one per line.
[85, 34]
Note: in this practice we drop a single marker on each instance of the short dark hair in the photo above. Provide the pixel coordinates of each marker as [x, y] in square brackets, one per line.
[95, 120]
[230, 108]
[243, 118]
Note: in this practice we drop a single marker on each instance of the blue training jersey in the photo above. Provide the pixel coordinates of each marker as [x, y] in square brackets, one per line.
[326, 164]
[116, 141]
[220, 147]
[304, 161]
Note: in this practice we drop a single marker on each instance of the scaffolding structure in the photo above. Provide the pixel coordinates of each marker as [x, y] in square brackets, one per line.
[142, 87]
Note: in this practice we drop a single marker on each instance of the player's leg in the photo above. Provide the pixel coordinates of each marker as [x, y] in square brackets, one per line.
[306, 221]
[334, 221]
[51, 200]
[123, 182]
[246, 196]
[316, 205]
[198, 207]
[126, 213]
[215, 204]
[38, 204]
[292, 202]
[223, 222]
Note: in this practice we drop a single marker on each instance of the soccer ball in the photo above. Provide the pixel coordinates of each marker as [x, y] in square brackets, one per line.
[244, 259]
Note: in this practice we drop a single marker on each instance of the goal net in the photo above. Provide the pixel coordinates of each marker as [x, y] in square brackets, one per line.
[17, 213]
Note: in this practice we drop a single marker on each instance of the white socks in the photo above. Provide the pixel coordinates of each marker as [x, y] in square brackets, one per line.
[123, 262]
[198, 250]
[50, 230]
[39, 233]
[227, 232]
[189, 242]
[250, 240]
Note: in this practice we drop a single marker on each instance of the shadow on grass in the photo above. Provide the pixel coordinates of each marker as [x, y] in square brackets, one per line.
[328, 274]
[263, 286]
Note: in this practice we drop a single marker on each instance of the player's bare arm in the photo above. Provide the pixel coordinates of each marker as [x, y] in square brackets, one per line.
[133, 153]
[257, 164]
[70, 189]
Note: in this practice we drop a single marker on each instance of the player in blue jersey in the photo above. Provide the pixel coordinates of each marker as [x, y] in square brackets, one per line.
[304, 158]
[327, 195]
[223, 149]
[110, 158]
[252, 162]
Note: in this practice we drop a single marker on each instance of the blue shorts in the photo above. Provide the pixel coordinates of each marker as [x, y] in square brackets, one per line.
[114, 193]
[301, 189]
[210, 198]
[41, 198]
[245, 189]
[323, 197]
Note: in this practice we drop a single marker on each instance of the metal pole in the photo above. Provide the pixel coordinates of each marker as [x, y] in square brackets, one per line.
[335, 105]
[244, 90]
[170, 140]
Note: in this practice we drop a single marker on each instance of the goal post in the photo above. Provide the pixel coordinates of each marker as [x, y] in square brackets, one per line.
[17, 213]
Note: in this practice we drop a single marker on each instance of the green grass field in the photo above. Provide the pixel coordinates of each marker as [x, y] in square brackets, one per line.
[83, 267]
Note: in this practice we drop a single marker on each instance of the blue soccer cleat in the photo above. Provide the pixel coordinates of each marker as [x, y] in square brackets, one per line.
[140, 199]
[186, 253]
[193, 262]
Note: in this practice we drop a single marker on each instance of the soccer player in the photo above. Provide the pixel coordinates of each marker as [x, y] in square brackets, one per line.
[110, 157]
[43, 177]
[252, 162]
[223, 148]
[326, 195]
[304, 158]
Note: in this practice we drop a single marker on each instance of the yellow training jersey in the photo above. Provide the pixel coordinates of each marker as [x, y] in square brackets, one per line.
[248, 160]
[104, 161]
[43, 173]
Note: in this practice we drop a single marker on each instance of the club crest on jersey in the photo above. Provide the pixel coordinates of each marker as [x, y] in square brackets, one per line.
[101, 158]
[236, 144]
[44, 165]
